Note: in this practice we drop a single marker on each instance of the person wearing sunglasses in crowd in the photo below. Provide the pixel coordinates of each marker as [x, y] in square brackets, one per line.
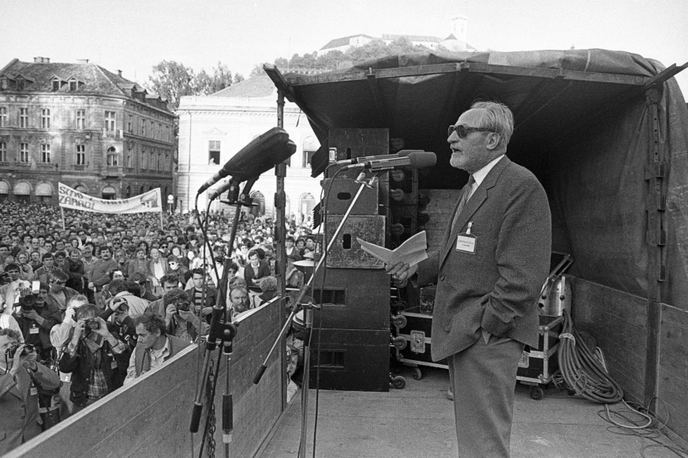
[489, 272]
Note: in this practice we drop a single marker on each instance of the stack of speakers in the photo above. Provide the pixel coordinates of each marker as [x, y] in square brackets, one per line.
[406, 204]
[350, 344]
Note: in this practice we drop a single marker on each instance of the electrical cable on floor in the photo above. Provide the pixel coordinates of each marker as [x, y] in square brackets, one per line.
[641, 422]
[584, 372]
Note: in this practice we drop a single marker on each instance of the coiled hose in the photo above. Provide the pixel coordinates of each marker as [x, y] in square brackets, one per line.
[582, 370]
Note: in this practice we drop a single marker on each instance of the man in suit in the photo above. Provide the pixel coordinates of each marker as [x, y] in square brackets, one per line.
[19, 384]
[489, 273]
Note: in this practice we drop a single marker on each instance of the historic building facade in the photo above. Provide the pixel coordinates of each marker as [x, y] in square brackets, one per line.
[213, 128]
[84, 126]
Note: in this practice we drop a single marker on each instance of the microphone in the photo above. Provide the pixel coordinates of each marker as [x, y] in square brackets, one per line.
[414, 159]
[215, 193]
[362, 159]
[260, 155]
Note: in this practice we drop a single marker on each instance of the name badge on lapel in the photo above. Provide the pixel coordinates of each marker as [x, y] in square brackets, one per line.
[466, 242]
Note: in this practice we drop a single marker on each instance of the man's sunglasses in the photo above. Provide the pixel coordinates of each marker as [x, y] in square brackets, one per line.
[463, 131]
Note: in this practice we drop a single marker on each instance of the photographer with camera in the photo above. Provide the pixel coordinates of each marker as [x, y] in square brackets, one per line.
[180, 319]
[121, 326]
[36, 318]
[89, 357]
[169, 282]
[21, 376]
[119, 289]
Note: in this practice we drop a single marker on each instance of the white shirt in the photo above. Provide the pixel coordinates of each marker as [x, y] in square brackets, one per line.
[480, 175]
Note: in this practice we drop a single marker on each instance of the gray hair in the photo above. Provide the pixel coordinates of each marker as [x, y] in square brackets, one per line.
[498, 117]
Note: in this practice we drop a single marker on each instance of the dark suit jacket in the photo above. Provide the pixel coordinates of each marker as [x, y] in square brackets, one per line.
[496, 288]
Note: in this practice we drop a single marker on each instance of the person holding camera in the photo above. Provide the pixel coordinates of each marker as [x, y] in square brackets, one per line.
[180, 319]
[89, 358]
[122, 327]
[21, 376]
[119, 289]
[36, 318]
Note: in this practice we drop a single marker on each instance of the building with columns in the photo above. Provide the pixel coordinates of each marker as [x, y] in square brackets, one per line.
[214, 128]
[84, 126]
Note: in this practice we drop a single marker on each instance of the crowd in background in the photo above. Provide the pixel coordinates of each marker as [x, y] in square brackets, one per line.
[80, 290]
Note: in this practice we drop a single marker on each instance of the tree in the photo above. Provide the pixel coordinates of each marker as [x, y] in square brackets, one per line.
[172, 80]
[209, 84]
[257, 71]
[332, 60]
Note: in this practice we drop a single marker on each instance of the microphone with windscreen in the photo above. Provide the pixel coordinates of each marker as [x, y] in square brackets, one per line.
[260, 155]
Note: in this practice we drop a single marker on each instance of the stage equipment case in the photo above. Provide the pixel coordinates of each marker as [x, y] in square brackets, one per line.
[538, 364]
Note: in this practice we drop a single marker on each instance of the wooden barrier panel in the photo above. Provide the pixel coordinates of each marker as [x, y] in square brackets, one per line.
[672, 390]
[151, 417]
[618, 322]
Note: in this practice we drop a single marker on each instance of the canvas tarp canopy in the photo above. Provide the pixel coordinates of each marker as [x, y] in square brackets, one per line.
[585, 125]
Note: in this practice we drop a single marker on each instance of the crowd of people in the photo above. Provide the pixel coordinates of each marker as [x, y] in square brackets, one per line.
[89, 302]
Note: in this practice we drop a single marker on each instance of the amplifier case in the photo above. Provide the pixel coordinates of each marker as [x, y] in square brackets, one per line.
[417, 332]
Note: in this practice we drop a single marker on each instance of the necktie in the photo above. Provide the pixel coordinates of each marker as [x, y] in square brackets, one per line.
[465, 195]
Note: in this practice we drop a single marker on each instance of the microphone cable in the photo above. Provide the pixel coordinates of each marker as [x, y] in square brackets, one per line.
[582, 369]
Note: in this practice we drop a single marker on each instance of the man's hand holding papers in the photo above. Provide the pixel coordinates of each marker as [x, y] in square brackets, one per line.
[401, 261]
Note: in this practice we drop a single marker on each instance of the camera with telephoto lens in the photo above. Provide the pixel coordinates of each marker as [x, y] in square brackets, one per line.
[28, 295]
[9, 353]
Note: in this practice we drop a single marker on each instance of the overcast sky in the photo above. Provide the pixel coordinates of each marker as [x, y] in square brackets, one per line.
[134, 35]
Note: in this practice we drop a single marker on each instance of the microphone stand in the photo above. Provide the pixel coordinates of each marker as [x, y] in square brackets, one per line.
[308, 318]
[222, 332]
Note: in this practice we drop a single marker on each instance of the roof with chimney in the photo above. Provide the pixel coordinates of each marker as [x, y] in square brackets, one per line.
[45, 76]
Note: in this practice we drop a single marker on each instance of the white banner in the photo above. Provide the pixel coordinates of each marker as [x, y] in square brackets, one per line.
[147, 202]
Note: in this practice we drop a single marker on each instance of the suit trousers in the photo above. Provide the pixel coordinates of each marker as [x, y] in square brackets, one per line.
[483, 382]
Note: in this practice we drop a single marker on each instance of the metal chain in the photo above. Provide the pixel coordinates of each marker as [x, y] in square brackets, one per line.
[210, 437]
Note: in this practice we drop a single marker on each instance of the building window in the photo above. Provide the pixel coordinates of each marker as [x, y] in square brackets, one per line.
[3, 116]
[110, 121]
[112, 157]
[143, 127]
[214, 152]
[80, 154]
[144, 159]
[80, 119]
[160, 161]
[3, 152]
[130, 124]
[24, 152]
[45, 153]
[73, 85]
[23, 117]
[45, 118]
